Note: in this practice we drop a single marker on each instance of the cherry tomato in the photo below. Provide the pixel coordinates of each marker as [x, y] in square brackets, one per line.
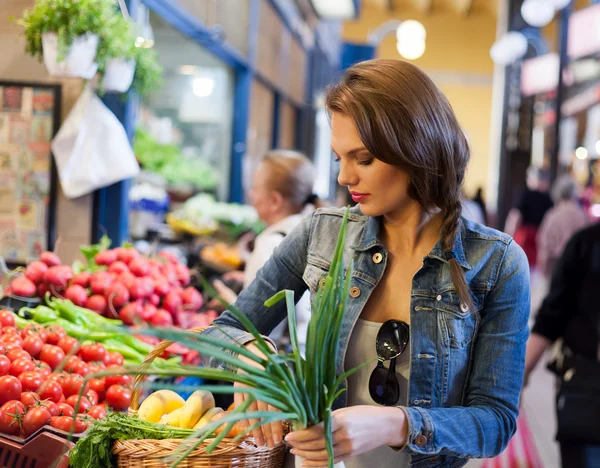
[36, 330]
[111, 380]
[51, 390]
[114, 358]
[66, 343]
[33, 345]
[16, 354]
[42, 368]
[65, 410]
[97, 412]
[7, 318]
[55, 333]
[4, 365]
[94, 352]
[29, 399]
[72, 384]
[118, 397]
[21, 365]
[35, 419]
[52, 355]
[92, 395]
[84, 403]
[30, 381]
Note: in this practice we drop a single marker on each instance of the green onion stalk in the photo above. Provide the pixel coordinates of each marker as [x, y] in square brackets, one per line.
[302, 389]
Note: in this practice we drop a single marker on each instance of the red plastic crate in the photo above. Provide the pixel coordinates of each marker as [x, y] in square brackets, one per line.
[41, 450]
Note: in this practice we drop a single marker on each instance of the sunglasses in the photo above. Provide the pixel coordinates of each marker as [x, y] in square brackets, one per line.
[392, 339]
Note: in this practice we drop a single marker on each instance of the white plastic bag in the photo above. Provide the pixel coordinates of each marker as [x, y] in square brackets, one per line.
[92, 149]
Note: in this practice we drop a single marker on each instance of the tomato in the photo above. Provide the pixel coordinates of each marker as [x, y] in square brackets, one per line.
[92, 395]
[10, 331]
[97, 412]
[65, 410]
[51, 407]
[16, 354]
[13, 339]
[51, 390]
[96, 367]
[81, 425]
[35, 419]
[42, 368]
[4, 365]
[111, 380]
[98, 385]
[52, 355]
[29, 399]
[55, 333]
[7, 318]
[71, 364]
[94, 352]
[33, 345]
[30, 381]
[21, 365]
[114, 358]
[84, 403]
[36, 330]
[72, 384]
[81, 368]
[118, 397]
[10, 389]
[66, 343]
[13, 407]
[63, 423]
[10, 417]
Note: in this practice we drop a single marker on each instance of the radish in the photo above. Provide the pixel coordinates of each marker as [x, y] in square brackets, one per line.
[23, 287]
[126, 255]
[82, 279]
[192, 299]
[100, 281]
[50, 259]
[96, 303]
[139, 267]
[117, 294]
[42, 289]
[154, 299]
[58, 276]
[147, 312]
[172, 302]
[170, 275]
[127, 278]
[76, 294]
[118, 267]
[141, 288]
[106, 257]
[183, 274]
[35, 271]
[169, 256]
[155, 273]
[162, 287]
[161, 318]
[129, 312]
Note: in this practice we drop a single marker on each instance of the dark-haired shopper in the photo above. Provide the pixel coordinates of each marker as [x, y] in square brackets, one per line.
[442, 301]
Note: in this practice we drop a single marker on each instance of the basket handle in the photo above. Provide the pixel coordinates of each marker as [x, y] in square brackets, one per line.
[138, 379]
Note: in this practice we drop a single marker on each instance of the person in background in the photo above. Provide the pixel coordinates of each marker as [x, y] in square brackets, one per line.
[472, 211]
[478, 198]
[281, 193]
[570, 312]
[524, 220]
[559, 224]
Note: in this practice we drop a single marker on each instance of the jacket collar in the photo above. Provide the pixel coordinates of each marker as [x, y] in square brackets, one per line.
[370, 239]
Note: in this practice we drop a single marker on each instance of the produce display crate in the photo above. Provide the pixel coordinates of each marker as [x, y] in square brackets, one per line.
[46, 448]
[150, 453]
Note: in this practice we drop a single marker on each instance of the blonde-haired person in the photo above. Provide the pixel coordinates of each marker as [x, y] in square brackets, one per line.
[282, 194]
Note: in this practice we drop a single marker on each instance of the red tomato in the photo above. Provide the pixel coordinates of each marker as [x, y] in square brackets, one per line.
[10, 330]
[51, 407]
[35, 419]
[67, 343]
[52, 355]
[111, 380]
[33, 345]
[114, 358]
[10, 417]
[4, 365]
[16, 354]
[118, 397]
[42, 368]
[7, 318]
[97, 412]
[65, 410]
[98, 386]
[36, 330]
[84, 403]
[55, 333]
[13, 339]
[65, 423]
[94, 352]
[51, 390]
[29, 399]
[10, 389]
[30, 381]
[71, 385]
[71, 364]
[14, 407]
[96, 367]
[92, 396]
[21, 365]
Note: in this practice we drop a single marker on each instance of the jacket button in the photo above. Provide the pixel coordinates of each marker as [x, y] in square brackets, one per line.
[464, 307]
[377, 258]
[439, 298]
[354, 292]
[420, 440]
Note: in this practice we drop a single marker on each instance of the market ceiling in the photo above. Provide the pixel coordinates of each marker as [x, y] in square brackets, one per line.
[432, 7]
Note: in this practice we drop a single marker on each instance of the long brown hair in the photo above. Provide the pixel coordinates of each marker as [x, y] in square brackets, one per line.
[403, 119]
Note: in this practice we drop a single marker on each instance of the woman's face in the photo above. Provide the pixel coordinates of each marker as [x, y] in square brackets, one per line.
[380, 188]
[262, 198]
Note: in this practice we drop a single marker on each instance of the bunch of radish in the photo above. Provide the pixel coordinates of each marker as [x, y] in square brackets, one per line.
[128, 286]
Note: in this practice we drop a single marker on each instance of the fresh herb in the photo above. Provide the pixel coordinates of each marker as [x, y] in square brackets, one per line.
[94, 450]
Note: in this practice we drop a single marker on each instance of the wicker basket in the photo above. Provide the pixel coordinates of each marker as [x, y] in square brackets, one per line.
[149, 453]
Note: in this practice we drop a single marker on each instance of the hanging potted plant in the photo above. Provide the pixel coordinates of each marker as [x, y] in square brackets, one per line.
[67, 33]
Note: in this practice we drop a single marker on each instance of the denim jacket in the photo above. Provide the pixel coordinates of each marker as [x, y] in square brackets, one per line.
[466, 366]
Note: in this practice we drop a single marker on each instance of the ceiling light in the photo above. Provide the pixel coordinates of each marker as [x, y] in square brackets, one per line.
[411, 30]
[581, 153]
[203, 87]
[411, 50]
[509, 48]
[335, 9]
[537, 13]
[598, 147]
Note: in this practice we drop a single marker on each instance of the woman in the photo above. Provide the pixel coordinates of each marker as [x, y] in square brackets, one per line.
[461, 288]
[281, 193]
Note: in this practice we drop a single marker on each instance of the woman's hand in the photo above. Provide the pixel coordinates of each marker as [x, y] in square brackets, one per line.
[356, 430]
[271, 434]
